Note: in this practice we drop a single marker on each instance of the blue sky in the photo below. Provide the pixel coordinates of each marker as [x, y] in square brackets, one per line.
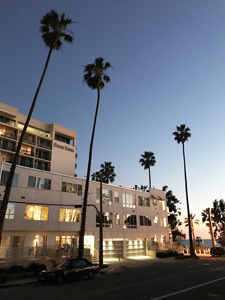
[169, 69]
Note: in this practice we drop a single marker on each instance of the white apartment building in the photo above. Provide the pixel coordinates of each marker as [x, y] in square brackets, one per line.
[45, 189]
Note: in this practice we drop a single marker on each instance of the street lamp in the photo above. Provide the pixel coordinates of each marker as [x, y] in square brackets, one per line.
[100, 233]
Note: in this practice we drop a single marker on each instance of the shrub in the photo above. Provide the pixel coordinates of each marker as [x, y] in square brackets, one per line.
[164, 254]
[16, 269]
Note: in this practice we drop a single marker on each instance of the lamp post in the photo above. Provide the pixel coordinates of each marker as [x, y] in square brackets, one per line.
[100, 233]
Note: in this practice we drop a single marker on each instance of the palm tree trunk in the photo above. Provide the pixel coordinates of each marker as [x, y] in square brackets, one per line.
[149, 176]
[188, 210]
[84, 206]
[193, 234]
[16, 156]
[211, 229]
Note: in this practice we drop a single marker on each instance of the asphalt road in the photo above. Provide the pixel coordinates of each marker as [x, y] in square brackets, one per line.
[143, 280]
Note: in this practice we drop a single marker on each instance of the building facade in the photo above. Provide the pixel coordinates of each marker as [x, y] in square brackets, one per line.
[41, 212]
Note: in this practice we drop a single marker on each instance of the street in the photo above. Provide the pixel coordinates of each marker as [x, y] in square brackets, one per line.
[144, 279]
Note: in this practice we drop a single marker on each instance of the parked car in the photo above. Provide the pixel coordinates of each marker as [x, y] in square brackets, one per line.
[70, 269]
[217, 251]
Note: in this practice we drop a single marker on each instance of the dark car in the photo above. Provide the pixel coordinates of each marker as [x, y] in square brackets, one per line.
[70, 269]
[217, 251]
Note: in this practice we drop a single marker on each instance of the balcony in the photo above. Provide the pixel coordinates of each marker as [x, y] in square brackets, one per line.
[8, 135]
[28, 141]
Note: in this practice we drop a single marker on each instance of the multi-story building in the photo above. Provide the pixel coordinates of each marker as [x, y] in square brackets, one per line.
[45, 189]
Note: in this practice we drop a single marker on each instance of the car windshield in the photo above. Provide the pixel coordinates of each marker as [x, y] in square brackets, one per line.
[67, 263]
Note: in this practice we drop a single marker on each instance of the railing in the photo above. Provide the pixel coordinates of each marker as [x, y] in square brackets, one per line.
[44, 146]
[9, 135]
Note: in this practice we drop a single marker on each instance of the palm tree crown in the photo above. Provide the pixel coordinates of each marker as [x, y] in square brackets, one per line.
[54, 29]
[94, 74]
[107, 171]
[182, 134]
[148, 160]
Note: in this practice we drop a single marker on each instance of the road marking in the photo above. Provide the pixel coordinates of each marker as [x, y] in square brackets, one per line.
[188, 289]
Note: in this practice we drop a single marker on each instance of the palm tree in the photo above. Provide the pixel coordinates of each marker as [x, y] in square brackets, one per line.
[193, 222]
[96, 176]
[148, 160]
[181, 136]
[95, 76]
[107, 171]
[206, 217]
[54, 31]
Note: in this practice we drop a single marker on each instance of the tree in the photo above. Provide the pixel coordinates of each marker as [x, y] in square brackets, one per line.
[193, 222]
[142, 188]
[107, 171]
[147, 160]
[175, 213]
[54, 31]
[96, 176]
[218, 216]
[182, 134]
[95, 76]
[206, 217]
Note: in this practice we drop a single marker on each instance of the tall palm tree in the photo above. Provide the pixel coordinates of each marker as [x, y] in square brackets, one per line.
[206, 217]
[148, 160]
[182, 134]
[54, 31]
[107, 171]
[193, 222]
[95, 76]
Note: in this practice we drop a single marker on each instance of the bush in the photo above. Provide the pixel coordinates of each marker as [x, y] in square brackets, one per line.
[16, 269]
[164, 254]
[36, 268]
[4, 278]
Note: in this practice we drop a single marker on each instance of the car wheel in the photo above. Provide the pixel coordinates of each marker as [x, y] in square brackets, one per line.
[91, 274]
[60, 279]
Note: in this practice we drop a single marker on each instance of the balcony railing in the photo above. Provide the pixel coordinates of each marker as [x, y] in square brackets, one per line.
[44, 146]
[28, 141]
[8, 135]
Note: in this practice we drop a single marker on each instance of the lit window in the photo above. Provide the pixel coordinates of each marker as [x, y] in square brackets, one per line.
[162, 204]
[37, 213]
[129, 200]
[155, 220]
[117, 219]
[69, 215]
[154, 202]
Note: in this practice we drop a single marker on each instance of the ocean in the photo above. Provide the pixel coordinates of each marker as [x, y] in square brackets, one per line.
[204, 243]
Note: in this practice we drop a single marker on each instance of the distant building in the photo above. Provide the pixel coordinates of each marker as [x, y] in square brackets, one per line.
[45, 189]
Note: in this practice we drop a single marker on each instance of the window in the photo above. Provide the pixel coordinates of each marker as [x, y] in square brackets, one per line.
[7, 121]
[143, 201]
[37, 213]
[106, 196]
[10, 211]
[62, 139]
[34, 130]
[7, 145]
[72, 188]
[39, 183]
[106, 219]
[162, 204]
[4, 178]
[69, 215]
[145, 221]
[156, 220]
[154, 202]
[116, 196]
[41, 166]
[129, 200]
[129, 221]
[163, 222]
[117, 219]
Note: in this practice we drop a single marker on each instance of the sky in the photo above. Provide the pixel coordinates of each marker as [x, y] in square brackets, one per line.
[168, 59]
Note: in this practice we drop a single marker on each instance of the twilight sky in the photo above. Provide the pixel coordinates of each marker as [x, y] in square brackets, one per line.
[169, 69]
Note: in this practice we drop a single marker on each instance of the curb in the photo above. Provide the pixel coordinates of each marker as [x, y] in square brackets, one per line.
[19, 283]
